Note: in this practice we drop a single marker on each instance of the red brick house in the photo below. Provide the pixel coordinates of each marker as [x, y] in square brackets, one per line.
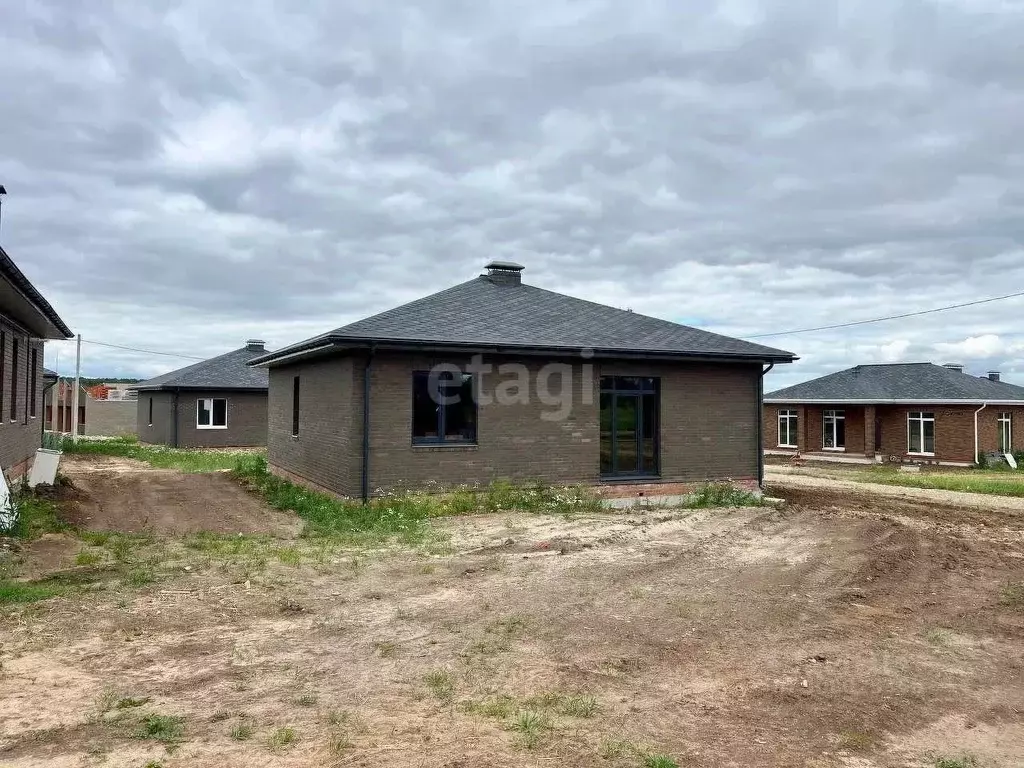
[914, 412]
[497, 379]
[26, 321]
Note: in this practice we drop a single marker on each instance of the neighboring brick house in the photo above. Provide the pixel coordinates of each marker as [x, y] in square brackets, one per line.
[218, 403]
[919, 412]
[97, 415]
[578, 393]
[26, 321]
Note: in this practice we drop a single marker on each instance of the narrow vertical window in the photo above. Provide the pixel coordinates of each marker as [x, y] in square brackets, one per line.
[1005, 432]
[14, 379]
[921, 433]
[33, 380]
[787, 428]
[3, 369]
[295, 406]
[151, 411]
[834, 431]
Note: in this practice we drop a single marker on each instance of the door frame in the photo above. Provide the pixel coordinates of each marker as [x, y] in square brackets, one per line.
[623, 386]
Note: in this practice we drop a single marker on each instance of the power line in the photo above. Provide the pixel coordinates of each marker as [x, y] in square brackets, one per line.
[136, 349]
[889, 317]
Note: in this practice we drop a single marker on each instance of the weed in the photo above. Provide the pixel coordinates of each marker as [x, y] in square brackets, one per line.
[281, 738]
[499, 708]
[36, 516]
[965, 761]
[243, 730]
[939, 636]
[580, 706]
[153, 764]
[289, 556]
[335, 717]
[660, 761]
[441, 683]
[857, 741]
[167, 729]
[613, 748]
[386, 649]
[1012, 595]
[220, 717]
[106, 700]
[140, 577]
[86, 557]
[715, 495]
[338, 742]
[531, 726]
[307, 700]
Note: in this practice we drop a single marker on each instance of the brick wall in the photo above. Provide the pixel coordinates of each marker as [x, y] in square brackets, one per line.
[246, 412]
[110, 418]
[161, 430]
[21, 436]
[708, 425]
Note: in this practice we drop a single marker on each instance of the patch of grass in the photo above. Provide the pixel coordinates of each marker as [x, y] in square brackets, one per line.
[242, 731]
[939, 636]
[85, 557]
[613, 748]
[441, 683]
[307, 700]
[718, 495]
[970, 481]
[182, 459]
[282, 738]
[36, 516]
[531, 727]
[1012, 595]
[140, 577]
[660, 761]
[167, 729]
[580, 706]
[289, 555]
[499, 708]
[856, 741]
[27, 592]
[965, 761]
[386, 649]
[129, 702]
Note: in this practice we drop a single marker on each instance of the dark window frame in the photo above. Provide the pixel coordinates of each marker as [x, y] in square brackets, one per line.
[296, 394]
[644, 389]
[33, 382]
[151, 410]
[13, 405]
[444, 380]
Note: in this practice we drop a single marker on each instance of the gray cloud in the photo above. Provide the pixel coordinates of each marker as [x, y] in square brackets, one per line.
[185, 175]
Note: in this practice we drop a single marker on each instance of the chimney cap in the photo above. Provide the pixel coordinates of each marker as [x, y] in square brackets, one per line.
[958, 367]
[993, 375]
[506, 266]
[255, 343]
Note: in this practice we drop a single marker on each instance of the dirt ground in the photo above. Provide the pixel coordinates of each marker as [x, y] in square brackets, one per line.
[113, 493]
[845, 629]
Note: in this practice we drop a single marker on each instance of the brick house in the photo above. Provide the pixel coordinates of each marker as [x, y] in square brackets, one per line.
[494, 378]
[26, 321]
[218, 403]
[915, 412]
[97, 415]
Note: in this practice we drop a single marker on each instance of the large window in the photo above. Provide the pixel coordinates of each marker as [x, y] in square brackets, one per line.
[1005, 432]
[834, 431]
[443, 407]
[212, 413]
[787, 429]
[629, 425]
[33, 381]
[921, 433]
[295, 406]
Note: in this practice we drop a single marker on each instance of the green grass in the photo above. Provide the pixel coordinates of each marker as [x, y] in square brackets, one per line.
[167, 729]
[531, 727]
[182, 459]
[27, 592]
[579, 706]
[968, 481]
[441, 683]
[718, 495]
[281, 738]
[242, 731]
[36, 516]
[660, 761]
[1012, 595]
[965, 761]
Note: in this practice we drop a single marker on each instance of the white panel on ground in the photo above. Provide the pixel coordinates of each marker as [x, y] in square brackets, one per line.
[1010, 460]
[8, 514]
[44, 468]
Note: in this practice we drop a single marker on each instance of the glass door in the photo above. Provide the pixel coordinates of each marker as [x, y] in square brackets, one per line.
[629, 426]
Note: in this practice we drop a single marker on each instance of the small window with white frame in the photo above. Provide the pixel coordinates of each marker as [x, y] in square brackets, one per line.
[1005, 432]
[212, 413]
[921, 433]
[788, 421]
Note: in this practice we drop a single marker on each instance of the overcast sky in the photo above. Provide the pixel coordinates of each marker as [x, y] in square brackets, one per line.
[183, 176]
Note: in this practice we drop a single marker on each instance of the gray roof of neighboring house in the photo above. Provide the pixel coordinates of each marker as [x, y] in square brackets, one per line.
[906, 382]
[486, 312]
[35, 302]
[228, 371]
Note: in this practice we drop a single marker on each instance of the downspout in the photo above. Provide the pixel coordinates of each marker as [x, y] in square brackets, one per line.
[366, 427]
[977, 449]
[174, 416]
[760, 426]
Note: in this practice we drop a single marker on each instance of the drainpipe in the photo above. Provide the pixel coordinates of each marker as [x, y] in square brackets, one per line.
[760, 426]
[977, 450]
[366, 427]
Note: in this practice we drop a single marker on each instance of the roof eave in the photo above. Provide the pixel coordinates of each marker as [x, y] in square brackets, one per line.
[56, 328]
[889, 401]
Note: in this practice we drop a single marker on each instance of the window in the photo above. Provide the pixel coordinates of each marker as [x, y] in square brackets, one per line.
[1005, 432]
[14, 379]
[151, 411]
[33, 379]
[295, 406]
[921, 433]
[787, 429]
[834, 431]
[629, 424]
[443, 407]
[3, 369]
[212, 413]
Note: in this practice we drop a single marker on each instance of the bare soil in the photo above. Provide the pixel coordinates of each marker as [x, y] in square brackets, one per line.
[844, 630]
[113, 493]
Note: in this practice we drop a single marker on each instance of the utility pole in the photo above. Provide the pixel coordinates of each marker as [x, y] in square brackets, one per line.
[78, 386]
